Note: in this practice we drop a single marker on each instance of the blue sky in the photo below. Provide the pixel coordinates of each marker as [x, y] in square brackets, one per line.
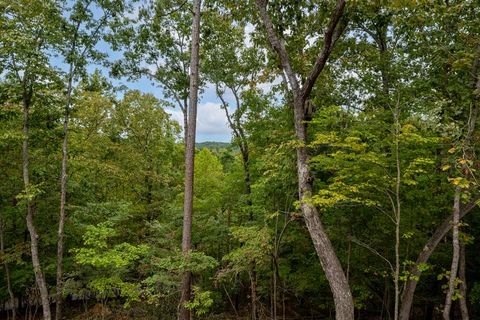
[211, 119]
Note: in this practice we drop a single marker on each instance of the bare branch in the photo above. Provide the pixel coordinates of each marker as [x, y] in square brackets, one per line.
[366, 246]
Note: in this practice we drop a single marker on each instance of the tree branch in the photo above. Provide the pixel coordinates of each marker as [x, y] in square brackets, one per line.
[366, 246]
[279, 46]
[332, 34]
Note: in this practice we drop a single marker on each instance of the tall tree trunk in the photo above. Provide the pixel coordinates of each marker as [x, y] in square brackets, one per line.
[61, 225]
[456, 254]
[328, 259]
[185, 122]
[37, 269]
[236, 126]
[63, 199]
[342, 296]
[184, 313]
[398, 211]
[7, 269]
[463, 284]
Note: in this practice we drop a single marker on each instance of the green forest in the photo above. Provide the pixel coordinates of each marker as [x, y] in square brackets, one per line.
[343, 186]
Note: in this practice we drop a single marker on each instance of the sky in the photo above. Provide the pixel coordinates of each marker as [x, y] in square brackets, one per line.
[212, 123]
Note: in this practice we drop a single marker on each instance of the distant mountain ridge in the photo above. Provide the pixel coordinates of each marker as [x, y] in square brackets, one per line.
[213, 145]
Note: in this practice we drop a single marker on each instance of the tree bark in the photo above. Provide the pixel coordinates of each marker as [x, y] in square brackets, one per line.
[37, 269]
[7, 269]
[463, 284]
[328, 259]
[184, 313]
[397, 211]
[185, 122]
[456, 255]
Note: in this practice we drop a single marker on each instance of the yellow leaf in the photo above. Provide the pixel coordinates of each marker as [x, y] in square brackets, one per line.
[455, 181]
[446, 167]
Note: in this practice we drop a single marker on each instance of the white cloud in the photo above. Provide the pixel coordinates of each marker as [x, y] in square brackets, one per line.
[211, 121]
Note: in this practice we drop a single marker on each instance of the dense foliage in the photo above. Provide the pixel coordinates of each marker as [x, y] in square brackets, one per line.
[391, 136]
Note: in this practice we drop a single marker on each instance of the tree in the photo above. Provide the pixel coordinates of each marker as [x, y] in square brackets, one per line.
[378, 167]
[156, 46]
[461, 183]
[148, 141]
[456, 96]
[234, 69]
[184, 313]
[300, 92]
[30, 72]
[82, 33]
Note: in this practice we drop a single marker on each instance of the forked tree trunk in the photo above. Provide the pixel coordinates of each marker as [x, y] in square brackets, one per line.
[428, 249]
[184, 313]
[243, 144]
[234, 122]
[468, 154]
[342, 296]
[37, 269]
[445, 227]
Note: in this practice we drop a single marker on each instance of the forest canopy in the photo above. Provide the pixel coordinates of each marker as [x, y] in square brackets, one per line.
[340, 183]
